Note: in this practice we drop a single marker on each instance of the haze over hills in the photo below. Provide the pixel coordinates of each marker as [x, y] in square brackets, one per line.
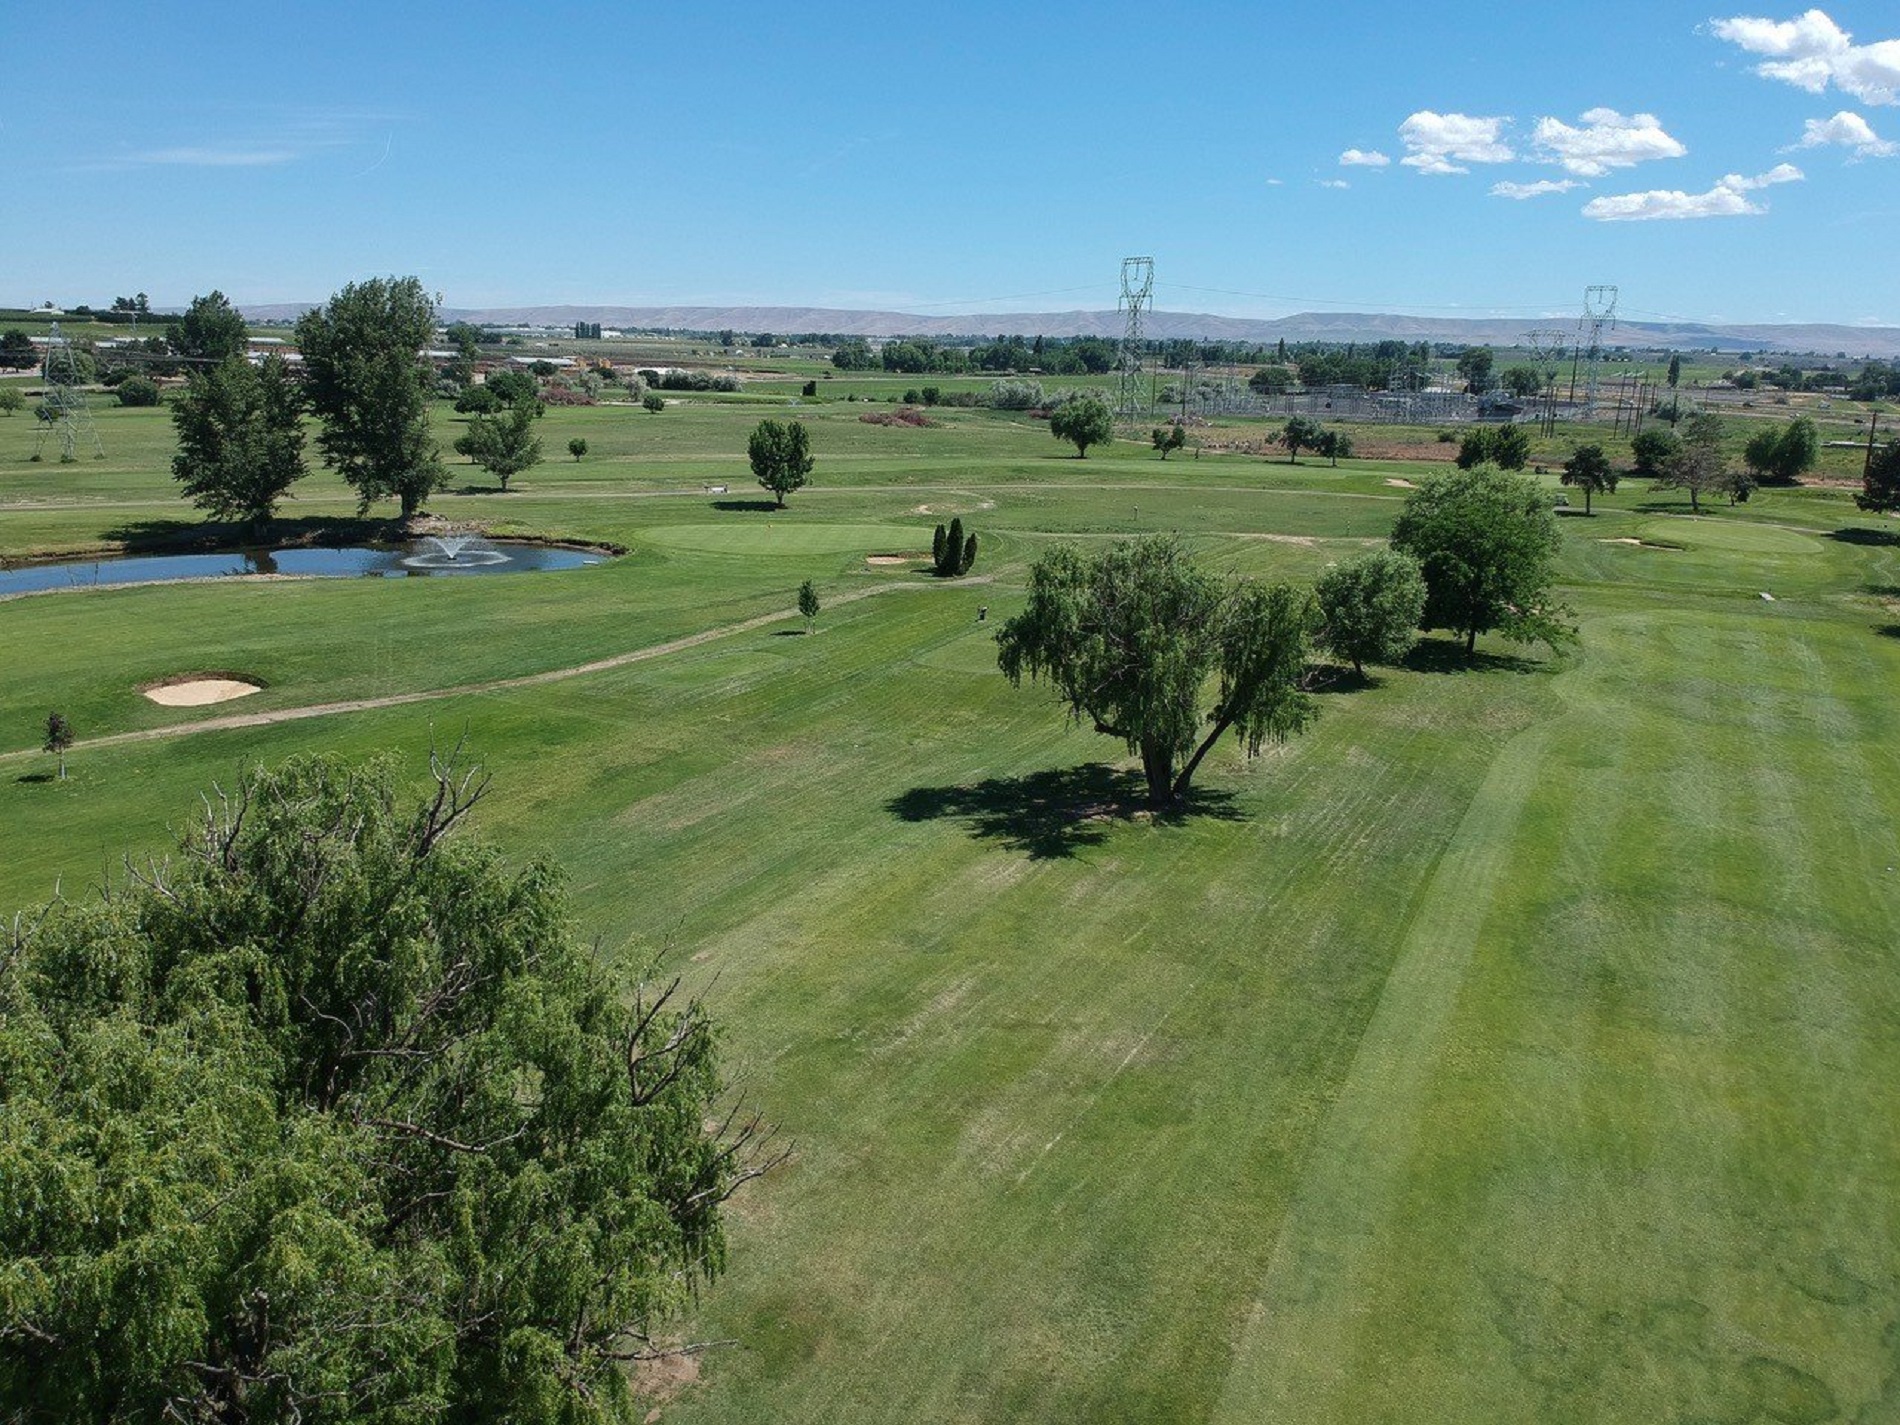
[1815, 338]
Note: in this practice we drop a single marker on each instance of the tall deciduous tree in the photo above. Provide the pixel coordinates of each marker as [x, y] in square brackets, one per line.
[240, 438]
[334, 1119]
[370, 385]
[1486, 540]
[1589, 470]
[1880, 486]
[780, 452]
[1083, 422]
[1138, 642]
[1781, 455]
[1335, 445]
[1369, 608]
[503, 444]
[1697, 463]
[211, 331]
[1652, 451]
[1300, 433]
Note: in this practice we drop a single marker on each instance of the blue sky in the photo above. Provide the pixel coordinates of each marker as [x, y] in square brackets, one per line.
[1729, 165]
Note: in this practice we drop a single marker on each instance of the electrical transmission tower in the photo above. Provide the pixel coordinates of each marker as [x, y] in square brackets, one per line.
[1547, 346]
[63, 405]
[1599, 314]
[1132, 396]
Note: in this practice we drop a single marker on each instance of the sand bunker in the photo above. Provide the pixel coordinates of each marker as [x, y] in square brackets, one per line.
[1398, 484]
[197, 692]
[882, 559]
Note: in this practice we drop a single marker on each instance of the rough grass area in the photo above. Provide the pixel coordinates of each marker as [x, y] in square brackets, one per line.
[1518, 1045]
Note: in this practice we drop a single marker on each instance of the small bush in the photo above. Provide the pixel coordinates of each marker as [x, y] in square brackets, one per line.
[653, 401]
[138, 391]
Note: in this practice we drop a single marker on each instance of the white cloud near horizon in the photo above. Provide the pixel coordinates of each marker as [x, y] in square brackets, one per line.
[1521, 191]
[1848, 130]
[1812, 52]
[1361, 158]
[1444, 143]
[1606, 140]
[1727, 199]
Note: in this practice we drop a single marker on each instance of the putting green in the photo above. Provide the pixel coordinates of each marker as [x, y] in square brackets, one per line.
[752, 535]
[1722, 534]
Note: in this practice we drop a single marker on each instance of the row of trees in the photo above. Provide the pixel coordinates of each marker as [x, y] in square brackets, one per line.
[239, 425]
[1135, 639]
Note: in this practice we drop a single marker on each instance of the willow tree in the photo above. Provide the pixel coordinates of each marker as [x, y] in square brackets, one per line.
[1144, 646]
[334, 1118]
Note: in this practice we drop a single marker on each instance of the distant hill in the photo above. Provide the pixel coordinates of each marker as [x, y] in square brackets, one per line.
[1818, 339]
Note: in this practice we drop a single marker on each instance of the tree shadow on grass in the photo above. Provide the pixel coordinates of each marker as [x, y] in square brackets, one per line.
[1054, 814]
[742, 505]
[175, 536]
[1888, 630]
[1854, 534]
[1335, 678]
[1441, 655]
[35, 778]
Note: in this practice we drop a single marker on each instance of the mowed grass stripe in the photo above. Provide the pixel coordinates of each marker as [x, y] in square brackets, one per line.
[1653, 1168]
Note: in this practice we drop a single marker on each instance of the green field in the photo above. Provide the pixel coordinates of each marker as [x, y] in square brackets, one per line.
[1517, 1045]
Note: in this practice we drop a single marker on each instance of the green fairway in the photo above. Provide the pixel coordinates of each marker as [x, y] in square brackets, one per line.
[1517, 1045]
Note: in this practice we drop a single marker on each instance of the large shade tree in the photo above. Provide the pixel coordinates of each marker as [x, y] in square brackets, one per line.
[1486, 540]
[370, 385]
[332, 1118]
[1146, 647]
[240, 438]
[210, 331]
[780, 455]
[1083, 422]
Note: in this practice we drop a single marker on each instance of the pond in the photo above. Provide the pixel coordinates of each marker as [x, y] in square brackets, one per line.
[454, 557]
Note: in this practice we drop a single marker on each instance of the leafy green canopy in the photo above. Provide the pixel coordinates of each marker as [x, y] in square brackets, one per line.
[1083, 422]
[781, 458]
[211, 331]
[331, 1119]
[240, 438]
[1880, 486]
[504, 445]
[1486, 540]
[1132, 638]
[368, 383]
[1369, 607]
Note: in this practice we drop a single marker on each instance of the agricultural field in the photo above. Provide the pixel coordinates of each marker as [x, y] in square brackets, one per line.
[1515, 1045]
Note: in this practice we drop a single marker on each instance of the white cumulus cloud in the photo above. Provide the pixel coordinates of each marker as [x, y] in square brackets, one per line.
[1727, 199]
[1444, 143]
[1538, 189]
[1605, 141]
[1334, 183]
[1849, 130]
[1812, 52]
[1361, 158]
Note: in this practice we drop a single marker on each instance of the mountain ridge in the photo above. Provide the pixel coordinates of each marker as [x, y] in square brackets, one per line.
[1812, 338]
